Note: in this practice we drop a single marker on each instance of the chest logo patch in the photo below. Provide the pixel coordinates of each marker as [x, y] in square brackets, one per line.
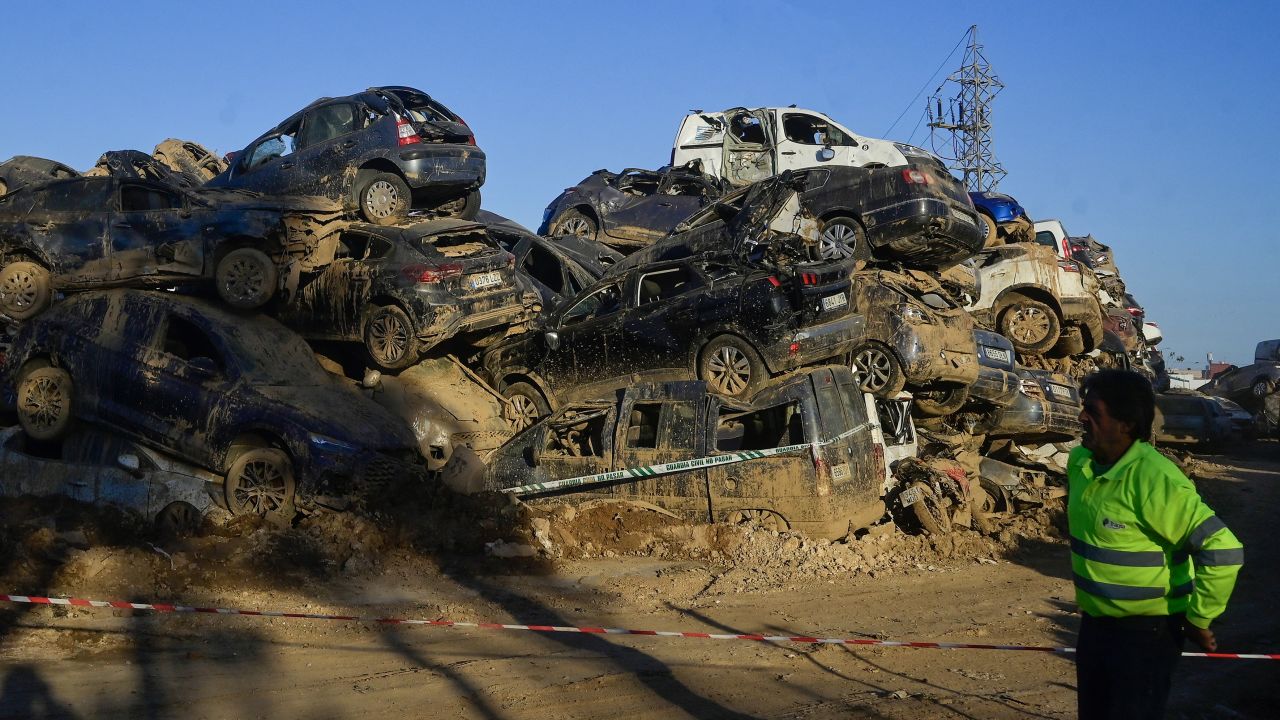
[1110, 524]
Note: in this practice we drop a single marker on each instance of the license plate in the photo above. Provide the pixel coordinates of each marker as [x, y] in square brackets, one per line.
[997, 354]
[831, 302]
[1061, 391]
[909, 497]
[962, 216]
[484, 280]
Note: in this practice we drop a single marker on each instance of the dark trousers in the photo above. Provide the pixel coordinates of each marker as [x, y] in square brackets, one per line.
[1124, 666]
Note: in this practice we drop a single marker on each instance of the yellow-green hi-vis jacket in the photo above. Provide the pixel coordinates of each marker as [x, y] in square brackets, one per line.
[1144, 543]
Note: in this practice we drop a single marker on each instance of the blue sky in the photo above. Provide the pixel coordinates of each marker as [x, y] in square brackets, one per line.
[1145, 124]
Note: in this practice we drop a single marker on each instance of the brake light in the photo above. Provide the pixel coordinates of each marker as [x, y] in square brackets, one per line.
[1066, 248]
[795, 348]
[915, 177]
[1069, 266]
[808, 278]
[423, 274]
[775, 281]
[1136, 312]
[406, 133]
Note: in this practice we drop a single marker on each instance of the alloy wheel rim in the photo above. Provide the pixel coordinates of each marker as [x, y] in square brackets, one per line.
[524, 412]
[390, 338]
[872, 368]
[19, 290]
[244, 278]
[382, 199]
[728, 370]
[834, 243]
[1028, 324]
[261, 487]
[44, 402]
[575, 226]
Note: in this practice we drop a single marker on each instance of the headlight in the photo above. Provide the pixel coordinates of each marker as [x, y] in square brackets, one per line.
[913, 314]
[324, 442]
[912, 150]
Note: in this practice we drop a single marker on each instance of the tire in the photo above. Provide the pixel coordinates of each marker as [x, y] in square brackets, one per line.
[26, 290]
[929, 511]
[260, 481]
[767, 519]
[45, 402]
[384, 199]
[246, 278]
[877, 370]
[470, 206]
[528, 405]
[990, 228]
[1262, 387]
[936, 403]
[390, 338]
[840, 238]
[730, 366]
[178, 519]
[575, 222]
[1032, 326]
[463, 207]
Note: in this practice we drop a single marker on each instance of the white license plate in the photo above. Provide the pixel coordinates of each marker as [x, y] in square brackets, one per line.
[962, 216]
[1061, 391]
[484, 280]
[909, 497]
[997, 354]
[831, 302]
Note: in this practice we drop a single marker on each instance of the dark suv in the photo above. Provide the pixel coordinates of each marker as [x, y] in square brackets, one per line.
[380, 152]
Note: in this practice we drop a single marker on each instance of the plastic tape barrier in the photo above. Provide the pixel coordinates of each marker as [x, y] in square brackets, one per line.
[804, 639]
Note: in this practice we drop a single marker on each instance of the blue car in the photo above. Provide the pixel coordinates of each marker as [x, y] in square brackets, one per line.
[1002, 218]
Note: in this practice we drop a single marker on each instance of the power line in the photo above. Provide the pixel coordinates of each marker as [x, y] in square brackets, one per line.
[966, 123]
[926, 82]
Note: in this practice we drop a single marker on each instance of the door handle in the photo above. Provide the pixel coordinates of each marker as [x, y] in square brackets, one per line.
[664, 204]
[286, 166]
[788, 152]
[122, 225]
[349, 144]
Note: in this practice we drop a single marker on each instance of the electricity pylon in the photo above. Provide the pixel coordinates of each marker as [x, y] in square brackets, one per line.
[964, 126]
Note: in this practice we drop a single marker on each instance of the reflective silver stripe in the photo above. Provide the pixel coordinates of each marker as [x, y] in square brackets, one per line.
[1184, 589]
[1141, 558]
[1204, 531]
[1232, 556]
[1112, 591]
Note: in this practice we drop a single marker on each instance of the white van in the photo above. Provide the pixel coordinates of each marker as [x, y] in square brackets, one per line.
[743, 146]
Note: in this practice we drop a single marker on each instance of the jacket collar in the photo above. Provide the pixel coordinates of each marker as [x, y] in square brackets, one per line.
[1130, 456]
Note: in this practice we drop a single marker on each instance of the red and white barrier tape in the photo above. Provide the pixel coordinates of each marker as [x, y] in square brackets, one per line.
[163, 608]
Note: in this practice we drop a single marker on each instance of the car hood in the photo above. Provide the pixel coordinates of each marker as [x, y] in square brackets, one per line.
[342, 413]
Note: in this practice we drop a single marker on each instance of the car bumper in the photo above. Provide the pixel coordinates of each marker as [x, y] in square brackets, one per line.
[929, 232]
[507, 307]
[815, 343]
[456, 166]
[996, 386]
[933, 353]
[336, 478]
[1031, 419]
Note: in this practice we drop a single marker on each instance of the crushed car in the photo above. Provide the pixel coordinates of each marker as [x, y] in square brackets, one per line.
[240, 396]
[806, 452]
[401, 290]
[559, 269]
[190, 159]
[380, 153]
[24, 170]
[1001, 218]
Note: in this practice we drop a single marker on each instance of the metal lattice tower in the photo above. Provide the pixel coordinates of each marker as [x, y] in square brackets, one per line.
[961, 132]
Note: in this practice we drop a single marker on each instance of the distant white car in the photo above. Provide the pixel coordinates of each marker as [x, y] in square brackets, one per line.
[742, 146]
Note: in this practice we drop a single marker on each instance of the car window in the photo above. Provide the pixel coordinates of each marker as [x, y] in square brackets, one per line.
[577, 432]
[642, 428]
[1046, 238]
[76, 195]
[543, 266]
[268, 150]
[639, 184]
[185, 341]
[143, 198]
[747, 128]
[328, 122]
[772, 427]
[666, 283]
[603, 301]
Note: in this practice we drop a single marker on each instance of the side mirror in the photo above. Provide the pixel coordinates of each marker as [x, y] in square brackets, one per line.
[203, 366]
[553, 339]
[130, 463]
[826, 154]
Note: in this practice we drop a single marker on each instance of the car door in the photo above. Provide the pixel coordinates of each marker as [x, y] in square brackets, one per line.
[583, 333]
[328, 146]
[69, 222]
[154, 233]
[664, 327]
[748, 154]
[576, 440]
[636, 210]
[655, 429]
[332, 303]
[809, 140]
[757, 483]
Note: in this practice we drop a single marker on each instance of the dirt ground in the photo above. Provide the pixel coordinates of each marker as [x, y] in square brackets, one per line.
[601, 565]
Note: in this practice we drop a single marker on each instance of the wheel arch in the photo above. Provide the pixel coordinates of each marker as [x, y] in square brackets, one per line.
[1033, 292]
[257, 437]
[522, 375]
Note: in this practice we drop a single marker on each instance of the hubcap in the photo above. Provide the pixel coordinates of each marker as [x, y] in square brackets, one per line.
[524, 412]
[1028, 325]
[728, 370]
[837, 241]
[872, 369]
[44, 402]
[1260, 390]
[382, 199]
[18, 290]
[389, 338]
[261, 487]
[244, 280]
[575, 226]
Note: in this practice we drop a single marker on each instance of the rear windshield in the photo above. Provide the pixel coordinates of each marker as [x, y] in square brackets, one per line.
[456, 244]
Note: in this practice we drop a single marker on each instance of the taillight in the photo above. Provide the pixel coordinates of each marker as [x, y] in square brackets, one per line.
[471, 137]
[1136, 312]
[1069, 266]
[406, 133]
[808, 278]
[795, 348]
[775, 281]
[430, 273]
[915, 177]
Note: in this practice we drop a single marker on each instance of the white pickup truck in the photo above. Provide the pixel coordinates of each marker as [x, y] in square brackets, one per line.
[742, 145]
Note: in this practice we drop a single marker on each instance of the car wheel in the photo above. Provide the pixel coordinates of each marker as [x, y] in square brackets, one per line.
[178, 519]
[729, 366]
[384, 199]
[26, 289]
[877, 370]
[575, 222]
[929, 511]
[1030, 325]
[990, 230]
[527, 405]
[1262, 388]
[767, 519]
[245, 278]
[939, 402]
[390, 339]
[260, 481]
[45, 399]
[840, 238]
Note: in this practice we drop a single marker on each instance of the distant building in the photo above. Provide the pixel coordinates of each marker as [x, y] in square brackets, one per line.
[1186, 379]
[1215, 369]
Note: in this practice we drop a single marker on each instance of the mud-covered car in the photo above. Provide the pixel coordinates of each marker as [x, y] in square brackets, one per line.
[1044, 304]
[559, 269]
[401, 290]
[995, 388]
[1046, 409]
[190, 159]
[381, 152]
[916, 336]
[823, 473]
[241, 396]
[1001, 218]
[120, 230]
[27, 171]
[1247, 385]
[629, 209]
[1188, 417]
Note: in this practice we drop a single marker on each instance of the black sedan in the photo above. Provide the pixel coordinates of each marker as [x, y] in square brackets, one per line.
[560, 269]
[120, 230]
[238, 395]
[402, 290]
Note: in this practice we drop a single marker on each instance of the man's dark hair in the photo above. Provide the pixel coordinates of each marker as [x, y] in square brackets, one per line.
[1128, 397]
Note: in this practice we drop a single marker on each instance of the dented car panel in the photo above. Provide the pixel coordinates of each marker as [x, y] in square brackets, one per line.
[825, 490]
[997, 382]
[560, 269]
[1046, 409]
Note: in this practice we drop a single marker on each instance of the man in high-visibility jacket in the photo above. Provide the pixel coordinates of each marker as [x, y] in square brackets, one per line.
[1152, 563]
